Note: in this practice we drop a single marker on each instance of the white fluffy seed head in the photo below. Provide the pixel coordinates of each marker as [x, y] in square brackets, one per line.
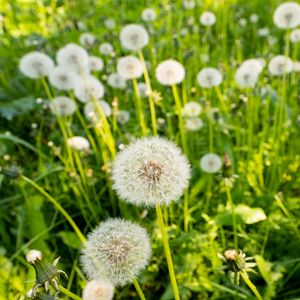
[62, 78]
[295, 36]
[130, 67]
[254, 18]
[134, 37]
[96, 63]
[91, 111]
[123, 116]
[87, 39]
[116, 251]
[148, 15]
[257, 64]
[211, 163]
[246, 77]
[63, 106]
[110, 23]
[192, 109]
[143, 90]
[296, 66]
[98, 290]
[170, 72]
[115, 80]
[209, 77]
[280, 65]
[34, 256]
[189, 4]
[78, 143]
[89, 89]
[207, 18]
[73, 57]
[150, 171]
[36, 65]
[287, 15]
[106, 48]
[193, 124]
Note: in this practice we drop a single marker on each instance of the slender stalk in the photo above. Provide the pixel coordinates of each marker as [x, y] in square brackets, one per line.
[141, 117]
[138, 289]
[69, 293]
[229, 198]
[150, 95]
[57, 206]
[167, 252]
[251, 286]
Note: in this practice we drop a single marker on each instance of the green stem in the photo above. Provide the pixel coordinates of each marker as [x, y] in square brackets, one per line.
[251, 286]
[167, 252]
[57, 206]
[138, 289]
[69, 293]
[228, 193]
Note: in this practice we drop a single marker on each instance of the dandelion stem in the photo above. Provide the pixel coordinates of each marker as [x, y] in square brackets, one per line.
[229, 198]
[167, 252]
[138, 289]
[57, 206]
[69, 293]
[251, 285]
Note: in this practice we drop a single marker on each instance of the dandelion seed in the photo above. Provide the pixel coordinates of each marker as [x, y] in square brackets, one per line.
[106, 48]
[62, 78]
[116, 251]
[209, 77]
[207, 18]
[148, 15]
[78, 143]
[63, 106]
[73, 57]
[280, 65]
[98, 290]
[211, 163]
[287, 15]
[151, 171]
[170, 72]
[130, 67]
[89, 89]
[36, 65]
[95, 63]
[115, 80]
[134, 37]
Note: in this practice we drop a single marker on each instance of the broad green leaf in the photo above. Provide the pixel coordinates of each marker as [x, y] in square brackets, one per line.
[70, 239]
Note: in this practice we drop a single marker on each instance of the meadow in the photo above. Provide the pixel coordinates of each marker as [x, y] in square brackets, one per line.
[149, 149]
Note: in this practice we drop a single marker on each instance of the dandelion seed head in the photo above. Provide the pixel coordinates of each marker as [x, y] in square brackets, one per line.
[36, 65]
[130, 67]
[91, 110]
[148, 15]
[192, 109]
[123, 117]
[62, 78]
[193, 124]
[246, 76]
[73, 57]
[209, 77]
[106, 48]
[295, 36]
[115, 80]
[208, 18]
[89, 89]
[98, 290]
[189, 4]
[287, 15]
[134, 37]
[211, 163]
[170, 72]
[63, 106]
[110, 23]
[78, 143]
[116, 251]
[96, 63]
[33, 256]
[87, 39]
[150, 171]
[280, 65]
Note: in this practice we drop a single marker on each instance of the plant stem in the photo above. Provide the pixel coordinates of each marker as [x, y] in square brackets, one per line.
[57, 206]
[69, 293]
[251, 286]
[138, 289]
[167, 252]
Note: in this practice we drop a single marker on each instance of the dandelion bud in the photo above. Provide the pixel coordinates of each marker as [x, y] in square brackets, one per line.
[34, 256]
[236, 261]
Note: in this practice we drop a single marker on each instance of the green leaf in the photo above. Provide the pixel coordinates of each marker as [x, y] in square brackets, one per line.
[250, 215]
[70, 239]
[263, 267]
